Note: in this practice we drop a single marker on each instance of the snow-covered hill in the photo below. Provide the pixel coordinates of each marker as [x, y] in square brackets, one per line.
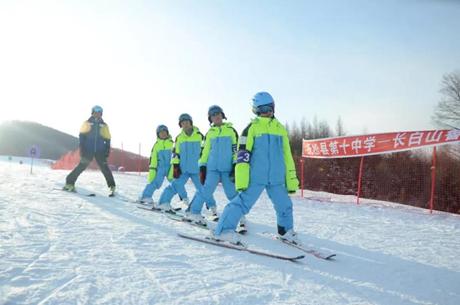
[60, 248]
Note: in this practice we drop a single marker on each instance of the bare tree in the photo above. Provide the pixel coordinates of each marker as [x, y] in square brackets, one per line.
[447, 112]
[304, 127]
[315, 128]
[339, 130]
[324, 131]
[295, 137]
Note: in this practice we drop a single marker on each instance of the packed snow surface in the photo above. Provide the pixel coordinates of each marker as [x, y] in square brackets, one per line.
[62, 248]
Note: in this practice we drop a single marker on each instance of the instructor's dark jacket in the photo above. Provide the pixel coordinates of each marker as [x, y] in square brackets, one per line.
[94, 137]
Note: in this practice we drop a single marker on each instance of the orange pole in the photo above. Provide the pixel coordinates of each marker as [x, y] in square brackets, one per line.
[301, 176]
[433, 180]
[360, 176]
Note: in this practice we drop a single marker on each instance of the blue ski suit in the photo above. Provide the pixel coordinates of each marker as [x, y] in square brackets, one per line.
[185, 156]
[264, 161]
[218, 158]
[160, 162]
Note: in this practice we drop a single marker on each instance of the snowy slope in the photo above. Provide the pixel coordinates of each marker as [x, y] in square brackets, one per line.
[60, 248]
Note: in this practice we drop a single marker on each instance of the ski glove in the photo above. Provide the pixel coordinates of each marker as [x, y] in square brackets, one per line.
[202, 174]
[292, 183]
[176, 171]
[241, 189]
[152, 174]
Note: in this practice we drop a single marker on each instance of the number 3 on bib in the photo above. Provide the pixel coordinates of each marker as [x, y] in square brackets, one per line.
[244, 156]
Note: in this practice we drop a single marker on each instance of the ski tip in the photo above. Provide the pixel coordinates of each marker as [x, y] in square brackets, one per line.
[297, 258]
[145, 208]
[330, 257]
[169, 212]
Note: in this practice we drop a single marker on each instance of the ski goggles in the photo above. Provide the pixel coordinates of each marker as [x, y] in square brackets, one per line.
[215, 112]
[264, 108]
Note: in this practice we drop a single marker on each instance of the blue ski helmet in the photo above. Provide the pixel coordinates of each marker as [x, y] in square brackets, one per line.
[263, 102]
[161, 128]
[185, 117]
[96, 108]
[213, 110]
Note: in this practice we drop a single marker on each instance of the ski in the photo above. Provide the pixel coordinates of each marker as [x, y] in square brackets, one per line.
[87, 194]
[179, 217]
[144, 203]
[157, 210]
[313, 252]
[135, 201]
[310, 251]
[210, 241]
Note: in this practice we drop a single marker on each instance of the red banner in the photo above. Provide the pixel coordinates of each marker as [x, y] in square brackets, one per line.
[374, 144]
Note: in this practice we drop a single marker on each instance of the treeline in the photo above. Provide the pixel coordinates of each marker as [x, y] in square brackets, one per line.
[398, 177]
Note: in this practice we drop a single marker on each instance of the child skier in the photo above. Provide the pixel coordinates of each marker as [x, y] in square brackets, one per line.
[217, 163]
[264, 161]
[94, 143]
[185, 155]
[160, 162]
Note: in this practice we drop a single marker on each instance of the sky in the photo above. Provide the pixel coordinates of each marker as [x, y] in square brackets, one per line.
[376, 64]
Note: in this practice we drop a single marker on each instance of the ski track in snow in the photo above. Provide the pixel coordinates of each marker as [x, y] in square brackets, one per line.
[61, 248]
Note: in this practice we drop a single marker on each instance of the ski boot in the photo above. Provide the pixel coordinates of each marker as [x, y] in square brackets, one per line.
[69, 188]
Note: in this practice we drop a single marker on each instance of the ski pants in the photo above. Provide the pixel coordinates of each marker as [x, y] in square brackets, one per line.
[177, 186]
[151, 187]
[85, 160]
[244, 201]
[207, 191]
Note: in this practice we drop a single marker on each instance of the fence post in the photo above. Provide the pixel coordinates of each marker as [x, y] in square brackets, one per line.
[360, 176]
[433, 179]
[301, 176]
